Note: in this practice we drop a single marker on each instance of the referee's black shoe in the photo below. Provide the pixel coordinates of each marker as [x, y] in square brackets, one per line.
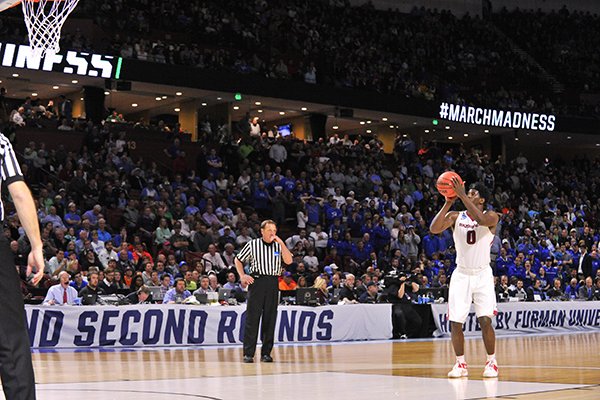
[248, 359]
[266, 358]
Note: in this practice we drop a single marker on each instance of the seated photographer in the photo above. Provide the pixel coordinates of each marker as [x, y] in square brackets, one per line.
[141, 296]
[401, 291]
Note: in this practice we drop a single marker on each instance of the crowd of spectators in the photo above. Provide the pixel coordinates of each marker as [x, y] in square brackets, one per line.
[427, 54]
[352, 216]
[562, 41]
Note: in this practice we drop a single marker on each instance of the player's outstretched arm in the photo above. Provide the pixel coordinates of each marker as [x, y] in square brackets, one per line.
[444, 219]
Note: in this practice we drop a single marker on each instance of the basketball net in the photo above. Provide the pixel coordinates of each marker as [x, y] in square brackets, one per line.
[44, 20]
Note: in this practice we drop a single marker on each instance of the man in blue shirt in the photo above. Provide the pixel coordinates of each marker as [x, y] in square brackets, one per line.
[261, 198]
[63, 293]
[430, 244]
[360, 253]
[103, 234]
[551, 270]
[332, 211]
[571, 291]
[381, 235]
[313, 210]
[517, 269]
[93, 215]
[177, 294]
[72, 217]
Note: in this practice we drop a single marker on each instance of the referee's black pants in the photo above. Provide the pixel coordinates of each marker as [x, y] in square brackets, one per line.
[16, 369]
[263, 297]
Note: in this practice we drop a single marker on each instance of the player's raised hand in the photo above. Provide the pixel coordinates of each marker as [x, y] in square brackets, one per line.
[459, 188]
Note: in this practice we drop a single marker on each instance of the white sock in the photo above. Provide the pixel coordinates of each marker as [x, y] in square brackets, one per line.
[491, 357]
[460, 359]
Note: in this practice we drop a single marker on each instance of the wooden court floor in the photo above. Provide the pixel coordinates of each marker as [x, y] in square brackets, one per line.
[566, 359]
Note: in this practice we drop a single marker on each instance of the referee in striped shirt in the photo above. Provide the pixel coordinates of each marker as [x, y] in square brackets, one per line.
[264, 255]
[16, 369]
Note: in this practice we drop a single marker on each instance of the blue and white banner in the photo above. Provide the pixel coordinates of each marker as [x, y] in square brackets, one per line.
[182, 325]
[528, 317]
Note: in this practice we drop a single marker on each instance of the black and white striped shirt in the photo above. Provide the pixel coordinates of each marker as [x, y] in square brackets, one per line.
[264, 258]
[9, 167]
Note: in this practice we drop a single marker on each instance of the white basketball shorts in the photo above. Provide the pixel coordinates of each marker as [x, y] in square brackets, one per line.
[466, 289]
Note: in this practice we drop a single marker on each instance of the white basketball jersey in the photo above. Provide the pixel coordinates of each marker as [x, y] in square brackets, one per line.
[473, 243]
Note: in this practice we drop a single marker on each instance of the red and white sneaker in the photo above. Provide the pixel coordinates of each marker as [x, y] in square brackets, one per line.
[491, 369]
[458, 371]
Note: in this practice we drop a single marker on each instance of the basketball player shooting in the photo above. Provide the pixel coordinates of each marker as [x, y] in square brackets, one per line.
[472, 281]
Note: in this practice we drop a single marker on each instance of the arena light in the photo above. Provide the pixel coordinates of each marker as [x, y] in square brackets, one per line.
[447, 127]
[177, 109]
[54, 87]
[426, 130]
[384, 119]
[466, 135]
[414, 123]
[164, 97]
[259, 111]
[74, 81]
[236, 107]
[158, 98]
[258, 103]
[368, 131]
[203, 104]
[569, 137]
[15, 75]
[450, 138]
[105, 93]
[486, 131]
[34, 94]
[362, 122]
[178, 93]
[219, 98]
[134, 104]
[392, 126]
[368, 122]
[281, 112]
[335, 127]
[304, 108]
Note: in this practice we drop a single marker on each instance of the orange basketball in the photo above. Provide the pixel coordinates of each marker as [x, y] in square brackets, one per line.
[444, 184]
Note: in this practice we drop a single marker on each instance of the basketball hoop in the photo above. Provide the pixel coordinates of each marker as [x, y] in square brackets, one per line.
[44, 20]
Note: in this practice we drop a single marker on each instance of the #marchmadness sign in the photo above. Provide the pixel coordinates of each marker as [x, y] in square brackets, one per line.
[528, 318]
[498, 118]
[73, 62]
[187, 325]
